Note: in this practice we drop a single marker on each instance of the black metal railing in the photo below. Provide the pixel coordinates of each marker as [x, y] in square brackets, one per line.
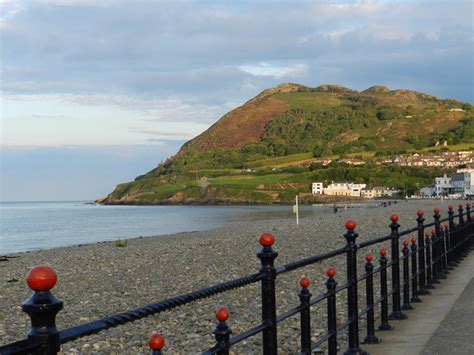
[420, 264]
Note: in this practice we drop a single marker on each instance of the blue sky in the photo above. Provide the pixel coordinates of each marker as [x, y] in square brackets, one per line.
[95, 93]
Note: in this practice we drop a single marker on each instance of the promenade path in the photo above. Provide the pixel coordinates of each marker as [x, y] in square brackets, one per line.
[442, 324]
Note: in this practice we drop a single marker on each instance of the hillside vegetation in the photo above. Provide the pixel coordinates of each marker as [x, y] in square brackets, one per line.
[292, 123]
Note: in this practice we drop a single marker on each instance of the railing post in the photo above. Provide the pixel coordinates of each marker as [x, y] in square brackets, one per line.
[406, 277]
[332, 315]
[369, 288]
[222, 331]
[429, 269]
[439, 245]
[352, 294]
[445, 233]
[461, 217]
[305, 317]
[452, 253]
[383, 292]
[42, 308]
[414, 270]
[396, 307]
[156, 343]
[267, 257]
[434, 257]
[469, 222]
[421, 253]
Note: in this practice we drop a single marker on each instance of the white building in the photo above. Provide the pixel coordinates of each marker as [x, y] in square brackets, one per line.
[428, 191]
[344, 189]
[380, 191]
[463, 182]
[317, 188]
[443, 186]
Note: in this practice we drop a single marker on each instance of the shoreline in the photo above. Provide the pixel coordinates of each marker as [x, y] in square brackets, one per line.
[100, 279]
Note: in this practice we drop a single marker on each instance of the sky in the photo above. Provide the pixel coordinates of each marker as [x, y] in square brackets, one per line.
[95, 93]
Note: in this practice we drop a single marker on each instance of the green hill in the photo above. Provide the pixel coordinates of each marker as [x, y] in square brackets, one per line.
[292, 123]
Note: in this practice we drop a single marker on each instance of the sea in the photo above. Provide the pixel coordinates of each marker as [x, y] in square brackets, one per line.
[26, 226]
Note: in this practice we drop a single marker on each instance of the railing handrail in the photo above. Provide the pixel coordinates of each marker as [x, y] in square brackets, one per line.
[442, 247]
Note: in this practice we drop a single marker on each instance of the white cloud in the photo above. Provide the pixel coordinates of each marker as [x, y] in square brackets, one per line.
[276, 71]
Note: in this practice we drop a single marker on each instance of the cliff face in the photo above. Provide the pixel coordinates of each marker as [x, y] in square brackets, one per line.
[293, 119]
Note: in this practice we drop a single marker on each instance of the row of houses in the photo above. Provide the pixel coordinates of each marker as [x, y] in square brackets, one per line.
[352, 189]
[460, 184]
[445, 159]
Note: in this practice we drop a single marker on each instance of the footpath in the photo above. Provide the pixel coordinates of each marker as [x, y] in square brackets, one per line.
[442, 324]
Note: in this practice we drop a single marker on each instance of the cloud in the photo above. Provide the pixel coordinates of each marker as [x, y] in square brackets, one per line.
[221, 54]
[48, 116]
[276, 71]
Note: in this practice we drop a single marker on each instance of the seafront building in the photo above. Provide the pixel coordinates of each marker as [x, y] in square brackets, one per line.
[460, 184]
[347, 188]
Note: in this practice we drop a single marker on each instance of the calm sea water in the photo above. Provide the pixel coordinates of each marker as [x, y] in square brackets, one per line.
[40, 225]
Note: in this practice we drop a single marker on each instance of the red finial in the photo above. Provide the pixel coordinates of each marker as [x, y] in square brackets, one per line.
[394, 218]
[351, 225]
[420, 213]
[468, 204]
[450, 207]
[405, 243]
[433, 232]
[304, 282]
[383, 252]
[156, 342]
[446, 226]
[460, 206]
[413, 240]
[41, 278]
[436, 211]
[222, 314]
[369, 258]
[267, 240]
[331, 272]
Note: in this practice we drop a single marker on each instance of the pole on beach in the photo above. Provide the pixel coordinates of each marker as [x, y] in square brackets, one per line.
[296, 211]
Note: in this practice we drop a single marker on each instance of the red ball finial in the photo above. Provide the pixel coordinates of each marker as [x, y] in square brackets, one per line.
[420, 213]
[405, 243]
[41, 278]
[369, 258]
[460, 205]
[267, 240]
[156, 342]
[383, 252]
[427, 234]
[413, 240]
[304, 282]
[446, 226]
[436, 211]
[433, 232]
[351, 225]
[450, 207]
[222, 314]
[468, 204]
[331, 272]
[394, 218]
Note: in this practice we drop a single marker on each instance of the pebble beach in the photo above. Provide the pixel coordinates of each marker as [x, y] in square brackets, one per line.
[98, 280]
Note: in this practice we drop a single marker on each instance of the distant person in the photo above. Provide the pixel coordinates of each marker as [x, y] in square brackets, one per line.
[335, 209]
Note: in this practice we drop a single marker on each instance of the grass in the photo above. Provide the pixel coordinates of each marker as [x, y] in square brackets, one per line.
[121, 243]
